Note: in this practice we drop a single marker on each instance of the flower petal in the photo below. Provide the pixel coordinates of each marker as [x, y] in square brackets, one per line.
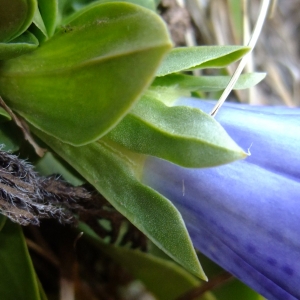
[245, 216]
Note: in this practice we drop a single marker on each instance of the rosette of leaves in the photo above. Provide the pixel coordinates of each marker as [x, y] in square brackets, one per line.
[95, 81]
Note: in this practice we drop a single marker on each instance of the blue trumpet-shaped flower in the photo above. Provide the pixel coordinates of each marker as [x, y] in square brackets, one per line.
[245, 216]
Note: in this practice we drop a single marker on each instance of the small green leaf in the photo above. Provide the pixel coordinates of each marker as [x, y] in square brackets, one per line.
[187, 58]
[10, 137]
[81, 82]
[4, 115]
[17, 276]
[144, 267]
[183, 135]
[39, 23]
[234, 289]
[113, 171]
[49, 13]
[15, 17]
[23, 44]
[42, 293]
[207, 83]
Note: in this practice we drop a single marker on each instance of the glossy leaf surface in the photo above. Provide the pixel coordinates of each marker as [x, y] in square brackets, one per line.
[23, 44]
[15, 17]
[18, 279]
[182, 135]
[207, 83]
[180, 59]
[81, 82]
[113, 172]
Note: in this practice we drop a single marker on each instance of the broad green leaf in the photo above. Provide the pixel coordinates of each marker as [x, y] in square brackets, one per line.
[81, 82]
[10, 137]
[207, 83]
[164, 278]
[49, 13]
[17, 276]
[15, 17]
[23, 44]
[150, 4]
[187, 58]
[79, 4]
[68, 7]
[114, 173]
[183, 135]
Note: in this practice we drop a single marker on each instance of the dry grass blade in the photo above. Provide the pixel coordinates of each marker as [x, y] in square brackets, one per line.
[277, 51]
[260, 21]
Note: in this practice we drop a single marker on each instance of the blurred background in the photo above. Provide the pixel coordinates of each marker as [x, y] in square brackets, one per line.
[230, 22]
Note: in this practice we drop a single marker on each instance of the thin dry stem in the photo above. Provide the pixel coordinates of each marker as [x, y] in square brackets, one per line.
[260, 21]
[23, 126]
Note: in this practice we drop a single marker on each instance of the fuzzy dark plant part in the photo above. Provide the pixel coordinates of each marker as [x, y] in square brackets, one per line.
[25, 197]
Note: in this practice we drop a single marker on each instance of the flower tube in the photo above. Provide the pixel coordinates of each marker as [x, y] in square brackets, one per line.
[245, 216]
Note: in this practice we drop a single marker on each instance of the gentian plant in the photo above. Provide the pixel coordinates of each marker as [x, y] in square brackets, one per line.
[243, 215]
[97, 84]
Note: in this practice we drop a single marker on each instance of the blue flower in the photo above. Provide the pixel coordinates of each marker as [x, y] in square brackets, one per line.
[245, 216]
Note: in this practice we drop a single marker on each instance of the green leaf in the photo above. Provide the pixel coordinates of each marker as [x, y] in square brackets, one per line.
[187, 58]
[171, 132]
[43, 295]
[79, 4]
[4, 115]
[113, 172]
[150, 4]
[49, 164]
[81, 82]
[10, 137]
[207, 83]
[144, 267]
[39, 23]
[49, 13]
[234, 289]
[23, 44]
[17, 276]
[69, 7]
[15, 17]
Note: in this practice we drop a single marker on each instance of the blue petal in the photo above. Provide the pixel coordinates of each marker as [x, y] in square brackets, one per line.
[245, 216]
